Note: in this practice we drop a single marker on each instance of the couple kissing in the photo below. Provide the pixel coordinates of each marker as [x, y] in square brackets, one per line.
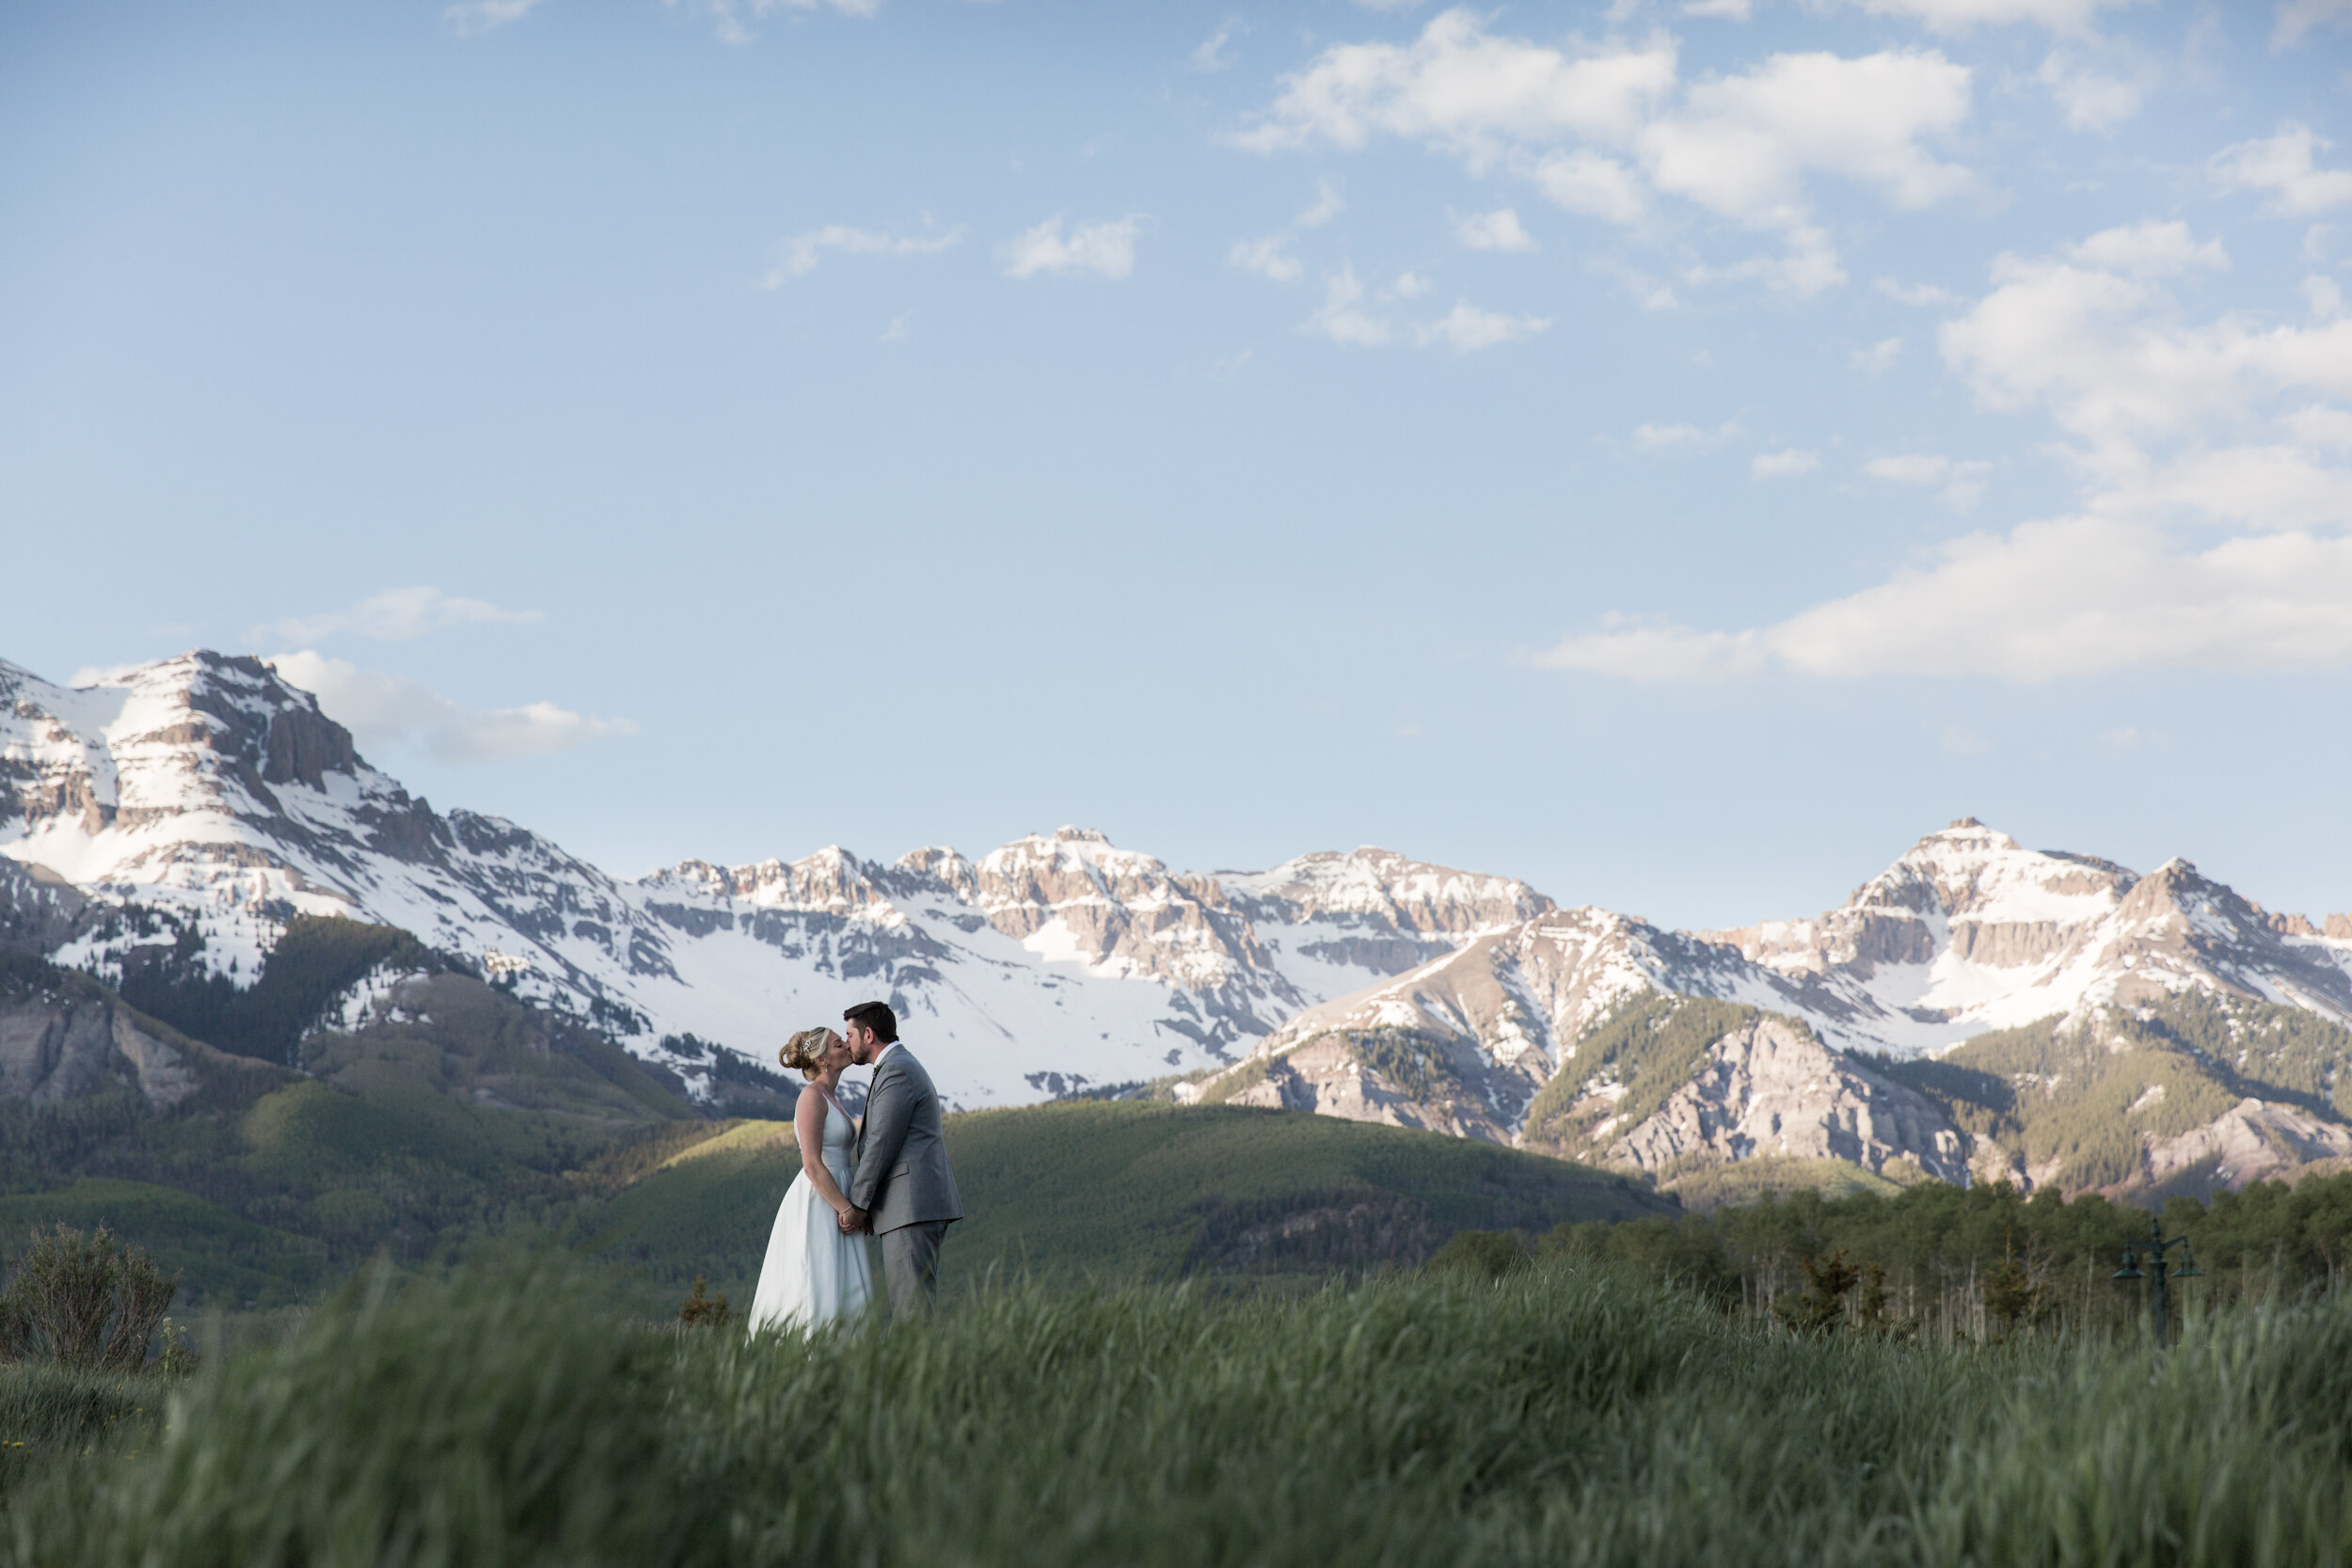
[889, 1178]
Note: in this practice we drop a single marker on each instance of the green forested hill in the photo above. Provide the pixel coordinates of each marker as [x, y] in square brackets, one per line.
[2079, 1105]
[465, 1115]
[462, 1115]
[1132, 1190]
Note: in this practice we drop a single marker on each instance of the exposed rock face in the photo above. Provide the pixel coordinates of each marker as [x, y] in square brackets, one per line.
[1374, 909]
[2255, 1141]
[1449, 1088]
[1773, 1089]
[63, 1042]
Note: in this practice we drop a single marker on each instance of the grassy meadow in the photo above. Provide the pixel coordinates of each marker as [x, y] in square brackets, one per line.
[1129, 1190]
[1564, 1414]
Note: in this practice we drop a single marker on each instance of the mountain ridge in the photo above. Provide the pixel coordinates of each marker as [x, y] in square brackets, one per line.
[193, 806]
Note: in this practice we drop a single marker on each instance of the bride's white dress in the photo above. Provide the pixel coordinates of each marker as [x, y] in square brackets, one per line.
[814, 1273]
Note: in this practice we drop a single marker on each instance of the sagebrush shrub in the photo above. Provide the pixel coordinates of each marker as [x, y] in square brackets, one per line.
[85, 1301]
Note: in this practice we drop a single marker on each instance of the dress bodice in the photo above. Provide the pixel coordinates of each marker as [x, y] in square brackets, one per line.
[840, 1132]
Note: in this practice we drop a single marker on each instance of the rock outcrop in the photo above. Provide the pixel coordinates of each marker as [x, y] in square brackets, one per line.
[64, 1037]
[1771, 1088]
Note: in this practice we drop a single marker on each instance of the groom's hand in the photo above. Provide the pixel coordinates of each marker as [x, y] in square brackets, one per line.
[852, 1220]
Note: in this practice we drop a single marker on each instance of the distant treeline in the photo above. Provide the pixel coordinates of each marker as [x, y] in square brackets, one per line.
[1979, 1263]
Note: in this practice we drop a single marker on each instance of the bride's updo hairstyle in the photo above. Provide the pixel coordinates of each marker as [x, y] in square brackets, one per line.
[806, 1051]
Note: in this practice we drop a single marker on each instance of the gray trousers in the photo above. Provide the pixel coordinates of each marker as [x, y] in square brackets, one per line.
[911, 1266]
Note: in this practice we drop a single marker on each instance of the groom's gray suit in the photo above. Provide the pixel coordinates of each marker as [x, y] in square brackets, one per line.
[902, 1180]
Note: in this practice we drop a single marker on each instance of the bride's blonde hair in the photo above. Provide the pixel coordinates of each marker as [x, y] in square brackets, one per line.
[806, 1051]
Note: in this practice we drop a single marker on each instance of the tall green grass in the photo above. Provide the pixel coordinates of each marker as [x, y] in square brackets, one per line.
[1559, 1416]
[53, 1415]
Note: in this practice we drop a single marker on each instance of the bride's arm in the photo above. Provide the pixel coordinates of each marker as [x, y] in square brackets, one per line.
[808, 1126]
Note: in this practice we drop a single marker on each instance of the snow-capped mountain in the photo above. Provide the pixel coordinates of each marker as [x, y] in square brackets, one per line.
[207, 792]
[209, 788]
[1966, 933]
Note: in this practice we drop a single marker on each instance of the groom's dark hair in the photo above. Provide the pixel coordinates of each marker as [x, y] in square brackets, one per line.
[876, 1015]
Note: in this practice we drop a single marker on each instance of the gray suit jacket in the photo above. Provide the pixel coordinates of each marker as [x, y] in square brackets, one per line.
[902, 1177]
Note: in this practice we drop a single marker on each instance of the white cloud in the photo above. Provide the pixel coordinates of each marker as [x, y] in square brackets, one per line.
[1962, 742]
[1348, 315]
[473, 17]
[2104, 351]
[798, 256]
[1966, 486]
[731, 19]
[1270, 257]
[1910, 468]
[2287, 165]
[1457, 87]
[1962, 484]
[386, 711]
[2298, 17]
[1595, 128]
[1786, 464]
[1591, 183]
[2075, 596]
[1961, 16]
[2324, 297]
[1211, 56]
[1741, 145]
[2124, 739]
[2319, 425]
[1466, 328]
[395, 615]
[1726, 10]
[2091, 102]
[1496, 230]
[1668, 438]
[1342, 317]
[1106, 249]
[2259, 487]
[1879, 358]
[1913, 294]
[2229, 422]
[2150, 250]
[901, 327]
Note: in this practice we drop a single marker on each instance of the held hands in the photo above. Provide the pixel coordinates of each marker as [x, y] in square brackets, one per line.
[852, 1220]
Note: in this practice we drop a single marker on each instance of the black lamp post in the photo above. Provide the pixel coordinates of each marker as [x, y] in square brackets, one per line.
[2157, 1247]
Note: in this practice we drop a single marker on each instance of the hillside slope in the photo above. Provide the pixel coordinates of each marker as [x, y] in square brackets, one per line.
[1127, 1189]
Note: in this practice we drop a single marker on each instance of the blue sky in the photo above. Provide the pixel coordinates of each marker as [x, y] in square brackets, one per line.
[1676, 453]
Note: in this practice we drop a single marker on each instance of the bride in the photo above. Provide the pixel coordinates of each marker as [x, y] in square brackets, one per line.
[814, 1273]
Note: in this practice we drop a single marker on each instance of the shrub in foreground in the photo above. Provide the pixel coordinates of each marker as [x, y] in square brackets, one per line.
[83, 1300]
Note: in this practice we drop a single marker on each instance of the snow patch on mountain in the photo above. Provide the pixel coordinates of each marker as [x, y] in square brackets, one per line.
[210, 788]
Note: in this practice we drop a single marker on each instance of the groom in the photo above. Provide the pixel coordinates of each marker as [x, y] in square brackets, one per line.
[902, 1190]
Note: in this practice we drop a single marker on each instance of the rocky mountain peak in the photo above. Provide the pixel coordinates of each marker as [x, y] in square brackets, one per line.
[1392, 888]
[154, 741]
[937, 866]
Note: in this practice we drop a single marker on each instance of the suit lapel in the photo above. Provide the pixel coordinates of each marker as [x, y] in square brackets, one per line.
[873, 1087]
